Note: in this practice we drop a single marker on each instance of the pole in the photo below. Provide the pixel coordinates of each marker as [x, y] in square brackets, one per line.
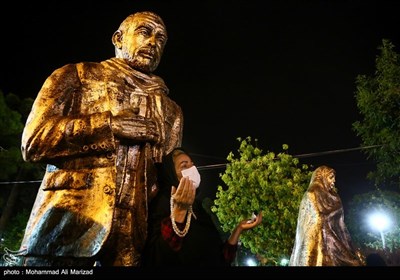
[383, 239]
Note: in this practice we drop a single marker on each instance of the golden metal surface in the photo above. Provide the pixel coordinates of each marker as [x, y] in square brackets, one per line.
[322, 238]
[101, 127]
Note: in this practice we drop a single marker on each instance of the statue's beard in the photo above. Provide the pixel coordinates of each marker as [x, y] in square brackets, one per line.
[140, 63]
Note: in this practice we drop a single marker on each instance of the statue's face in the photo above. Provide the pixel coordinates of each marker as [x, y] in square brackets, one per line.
[143, 43]
[330, 180]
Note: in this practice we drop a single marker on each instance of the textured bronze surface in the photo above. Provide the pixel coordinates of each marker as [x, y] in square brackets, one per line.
[322, 238]
[101, 127]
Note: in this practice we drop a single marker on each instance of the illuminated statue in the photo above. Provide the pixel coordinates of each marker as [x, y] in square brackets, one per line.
[100, 128]
[322, 238]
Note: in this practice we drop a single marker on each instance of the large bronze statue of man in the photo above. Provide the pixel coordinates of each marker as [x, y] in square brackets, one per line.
[100, 128]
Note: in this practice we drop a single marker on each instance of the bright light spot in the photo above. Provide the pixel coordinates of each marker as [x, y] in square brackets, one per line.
[284, 262]
[379, 221]
[251, 262]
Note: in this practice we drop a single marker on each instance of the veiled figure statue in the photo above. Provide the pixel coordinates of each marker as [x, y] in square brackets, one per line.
[322, 238]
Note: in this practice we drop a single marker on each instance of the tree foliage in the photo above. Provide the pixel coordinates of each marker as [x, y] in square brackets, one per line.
[13, 112]
[10, 125]
[12, 238]
[258, 181]
[378, 101]
[16, 199]
[360, 209]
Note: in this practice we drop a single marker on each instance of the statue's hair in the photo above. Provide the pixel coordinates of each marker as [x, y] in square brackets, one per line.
[126, 22]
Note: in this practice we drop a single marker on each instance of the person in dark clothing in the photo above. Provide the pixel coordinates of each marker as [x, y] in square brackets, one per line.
[181, 232]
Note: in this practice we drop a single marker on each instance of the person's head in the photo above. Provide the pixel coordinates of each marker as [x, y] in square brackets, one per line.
[181, 161]
[140, 40]
[326, 176]
[170, 170]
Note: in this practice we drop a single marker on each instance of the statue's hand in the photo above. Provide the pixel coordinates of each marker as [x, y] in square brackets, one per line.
[132, 127]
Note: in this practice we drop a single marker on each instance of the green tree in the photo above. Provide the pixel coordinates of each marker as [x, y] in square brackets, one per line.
[273, 184]
[361, 207]
[15, 204]
[10, 128]
[13, 113]
[378, 100]
[15, 231]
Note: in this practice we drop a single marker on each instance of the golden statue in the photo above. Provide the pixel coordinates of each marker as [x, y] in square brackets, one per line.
[322, 238]
[100, 128]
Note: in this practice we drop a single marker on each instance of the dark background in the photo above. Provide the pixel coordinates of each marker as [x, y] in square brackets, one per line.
[282, 72]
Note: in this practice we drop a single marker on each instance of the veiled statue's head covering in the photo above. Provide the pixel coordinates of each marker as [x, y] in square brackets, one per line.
[320, 176]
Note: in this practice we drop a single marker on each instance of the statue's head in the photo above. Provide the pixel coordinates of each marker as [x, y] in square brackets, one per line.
[140, 40]
[326, 176]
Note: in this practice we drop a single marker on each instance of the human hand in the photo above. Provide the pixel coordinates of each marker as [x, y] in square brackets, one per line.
[183, 197]
[248, 224]
[244, 225]
[185, 193]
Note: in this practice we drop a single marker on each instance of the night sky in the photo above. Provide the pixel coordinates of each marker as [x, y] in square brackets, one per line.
[282, 72]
